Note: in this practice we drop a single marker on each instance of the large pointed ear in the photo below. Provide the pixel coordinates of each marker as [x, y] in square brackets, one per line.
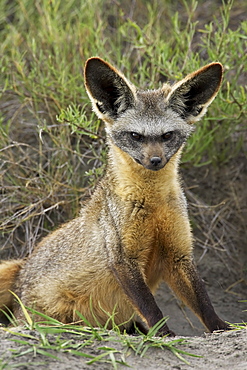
[191, 96]
[110, 92]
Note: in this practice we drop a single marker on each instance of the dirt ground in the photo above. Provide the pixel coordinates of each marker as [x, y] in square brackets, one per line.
[217, 351]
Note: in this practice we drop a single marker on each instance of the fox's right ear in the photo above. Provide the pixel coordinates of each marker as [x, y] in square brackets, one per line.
[110, 92]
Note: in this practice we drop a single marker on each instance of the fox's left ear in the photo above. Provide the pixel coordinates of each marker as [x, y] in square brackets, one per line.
[191, 96]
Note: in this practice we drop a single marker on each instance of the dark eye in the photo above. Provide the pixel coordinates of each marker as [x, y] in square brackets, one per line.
[167, 136]
[136, 136]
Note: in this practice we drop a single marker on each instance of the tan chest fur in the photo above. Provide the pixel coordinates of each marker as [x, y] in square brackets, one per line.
[156, 229]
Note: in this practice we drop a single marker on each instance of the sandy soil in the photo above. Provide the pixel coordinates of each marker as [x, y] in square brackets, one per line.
[217, 351]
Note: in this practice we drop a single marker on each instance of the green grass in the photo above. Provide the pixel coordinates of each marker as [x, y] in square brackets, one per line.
[51, 145]
[49, 338]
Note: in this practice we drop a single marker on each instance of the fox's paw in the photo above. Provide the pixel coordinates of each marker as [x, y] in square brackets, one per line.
[221, 325]
[165, 331]
[224, 327]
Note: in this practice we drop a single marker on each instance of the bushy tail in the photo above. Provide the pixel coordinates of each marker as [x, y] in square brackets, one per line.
[8, 274]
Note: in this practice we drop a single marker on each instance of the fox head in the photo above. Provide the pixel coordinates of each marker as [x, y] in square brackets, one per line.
[150, 126]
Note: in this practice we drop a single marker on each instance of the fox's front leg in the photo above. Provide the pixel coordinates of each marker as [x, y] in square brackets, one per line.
[125, 266]
[186, 283]
[129, 277]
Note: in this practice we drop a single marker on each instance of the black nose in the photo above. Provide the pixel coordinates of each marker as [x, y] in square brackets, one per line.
[155, 161]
